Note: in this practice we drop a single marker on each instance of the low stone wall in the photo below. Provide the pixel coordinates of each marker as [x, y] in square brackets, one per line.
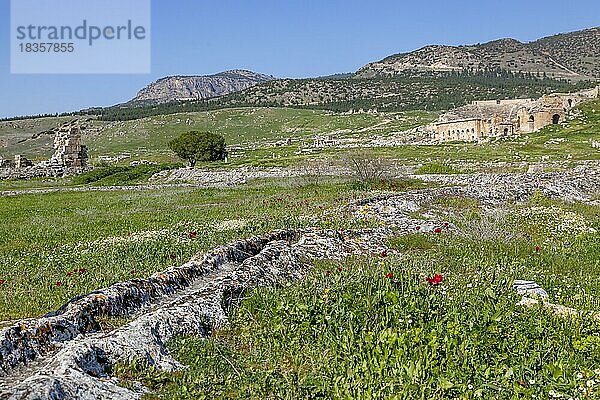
[42, 170]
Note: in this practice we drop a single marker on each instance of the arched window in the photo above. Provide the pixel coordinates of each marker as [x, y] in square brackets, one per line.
[555, 119]
[531, 118]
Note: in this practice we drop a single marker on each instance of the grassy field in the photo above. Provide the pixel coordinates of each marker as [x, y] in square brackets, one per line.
[568, 142]
[358, 328]
[375, 328]
[259, 137]
[59, 245]
[251, 128]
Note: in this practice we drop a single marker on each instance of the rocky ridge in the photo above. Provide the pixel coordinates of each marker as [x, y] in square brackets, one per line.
[179, 88]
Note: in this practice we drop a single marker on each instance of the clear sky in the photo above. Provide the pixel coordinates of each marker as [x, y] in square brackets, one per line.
[288, 38]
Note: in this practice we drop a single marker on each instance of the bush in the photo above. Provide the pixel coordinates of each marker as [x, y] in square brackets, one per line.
[366, 167]
[197, 146]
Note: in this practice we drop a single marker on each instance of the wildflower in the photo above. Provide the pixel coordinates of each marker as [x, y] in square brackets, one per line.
[70, 273]
[579, 375]
[522, 382]
[327, 273]
[173, 257]
[418, 228]
[437, 279]
[532, 381]
[59, 283]
[339, 269]
[2, 281]
[82, 271]
[389, 275]
[438, 230]
[589, 383]
[192, 234]
[470, 387]
[384, 254]
[537, 249]
[446, 224]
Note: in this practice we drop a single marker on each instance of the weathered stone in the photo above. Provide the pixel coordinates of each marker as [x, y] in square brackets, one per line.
[70, 157]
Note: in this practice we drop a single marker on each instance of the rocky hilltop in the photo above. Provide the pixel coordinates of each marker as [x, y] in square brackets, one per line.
[175, 88]
[574, 55]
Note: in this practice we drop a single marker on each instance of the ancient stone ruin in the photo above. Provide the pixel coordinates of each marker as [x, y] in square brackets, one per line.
[70, 157]
[69, 152]
[497, 118]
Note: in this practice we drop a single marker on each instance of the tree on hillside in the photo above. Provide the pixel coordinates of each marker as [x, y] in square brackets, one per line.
[197, 146]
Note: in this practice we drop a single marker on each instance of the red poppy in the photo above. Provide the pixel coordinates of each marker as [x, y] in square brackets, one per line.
[438, 230]
[384, 254]
[192, 235]
[59, 283]
[70, 273]
[537, 249]
[339, 269]
[173, 257]
[418, 228]
[389, 275]
[82, 270]
[446, 224]
[2, 281]
[436, 280]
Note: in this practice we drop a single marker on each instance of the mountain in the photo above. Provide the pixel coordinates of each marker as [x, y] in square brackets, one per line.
[179, 88]
[573, 56]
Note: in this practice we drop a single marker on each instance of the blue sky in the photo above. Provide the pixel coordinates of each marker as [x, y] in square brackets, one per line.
[287, 39]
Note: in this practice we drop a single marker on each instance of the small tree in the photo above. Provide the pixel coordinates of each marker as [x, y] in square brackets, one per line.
[199, 146]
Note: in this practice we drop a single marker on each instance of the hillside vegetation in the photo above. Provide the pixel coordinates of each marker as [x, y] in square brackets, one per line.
[431, 91]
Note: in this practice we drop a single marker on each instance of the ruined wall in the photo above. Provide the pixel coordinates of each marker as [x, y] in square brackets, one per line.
[69, 158]
[497, 118]
[461, 130]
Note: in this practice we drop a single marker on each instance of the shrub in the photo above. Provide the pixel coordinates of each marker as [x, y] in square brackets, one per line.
[365, 167]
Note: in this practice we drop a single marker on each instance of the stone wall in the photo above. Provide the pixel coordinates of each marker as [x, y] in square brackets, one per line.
[70, 157]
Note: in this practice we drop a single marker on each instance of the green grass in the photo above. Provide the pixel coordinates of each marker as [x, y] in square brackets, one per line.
[254, 129]
[348, 331]
[115, 236]
[437, 168]
[118, 175]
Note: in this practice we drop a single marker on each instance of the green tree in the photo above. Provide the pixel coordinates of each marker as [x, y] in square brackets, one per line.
[197, 146]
